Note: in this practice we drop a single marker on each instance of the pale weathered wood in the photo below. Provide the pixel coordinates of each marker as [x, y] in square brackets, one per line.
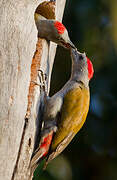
[18, 37]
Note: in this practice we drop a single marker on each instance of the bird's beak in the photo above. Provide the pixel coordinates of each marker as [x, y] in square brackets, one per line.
[68, 44]
[71, 45]
[75, 54]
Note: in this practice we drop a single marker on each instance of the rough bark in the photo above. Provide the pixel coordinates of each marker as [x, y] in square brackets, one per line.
[19, 96]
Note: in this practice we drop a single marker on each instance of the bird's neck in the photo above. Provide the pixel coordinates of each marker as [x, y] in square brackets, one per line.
[79, 74]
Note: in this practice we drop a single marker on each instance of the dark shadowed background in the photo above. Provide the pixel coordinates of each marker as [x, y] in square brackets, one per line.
[92, 154]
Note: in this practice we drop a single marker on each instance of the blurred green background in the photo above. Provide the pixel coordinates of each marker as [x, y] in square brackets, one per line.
[92, 154]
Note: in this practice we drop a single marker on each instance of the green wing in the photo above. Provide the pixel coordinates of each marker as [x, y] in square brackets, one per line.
[73, 115]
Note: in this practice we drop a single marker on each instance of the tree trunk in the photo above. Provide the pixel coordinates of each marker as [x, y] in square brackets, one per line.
[19, 96]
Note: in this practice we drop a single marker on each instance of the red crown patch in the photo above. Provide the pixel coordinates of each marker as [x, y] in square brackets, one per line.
[90, 68]
[60, 27]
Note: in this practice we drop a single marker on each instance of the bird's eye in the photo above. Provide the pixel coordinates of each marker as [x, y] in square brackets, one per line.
[81, 57]
[61, 39]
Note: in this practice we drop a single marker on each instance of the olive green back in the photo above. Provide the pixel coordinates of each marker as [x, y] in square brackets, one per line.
[73, 114]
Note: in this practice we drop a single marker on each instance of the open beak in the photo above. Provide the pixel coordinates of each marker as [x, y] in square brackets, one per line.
[71, 45]
[76, 54]
[68, 45]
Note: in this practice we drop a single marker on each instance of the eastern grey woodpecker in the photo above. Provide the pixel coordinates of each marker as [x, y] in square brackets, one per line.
[51, 29]
[66, 111]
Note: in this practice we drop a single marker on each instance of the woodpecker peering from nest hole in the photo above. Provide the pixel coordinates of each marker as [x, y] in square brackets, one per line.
[49, 28]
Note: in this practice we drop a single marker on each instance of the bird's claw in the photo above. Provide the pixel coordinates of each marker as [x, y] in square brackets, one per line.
[42, 79]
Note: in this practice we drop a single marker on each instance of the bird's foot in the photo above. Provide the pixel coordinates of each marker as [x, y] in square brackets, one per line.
[42, 79]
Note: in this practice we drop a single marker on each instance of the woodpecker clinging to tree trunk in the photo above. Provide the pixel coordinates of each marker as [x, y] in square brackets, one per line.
[49, 28]
[66, 111]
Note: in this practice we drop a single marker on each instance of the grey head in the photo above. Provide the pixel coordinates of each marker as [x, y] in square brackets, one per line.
[55, 31]
[79, 67]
